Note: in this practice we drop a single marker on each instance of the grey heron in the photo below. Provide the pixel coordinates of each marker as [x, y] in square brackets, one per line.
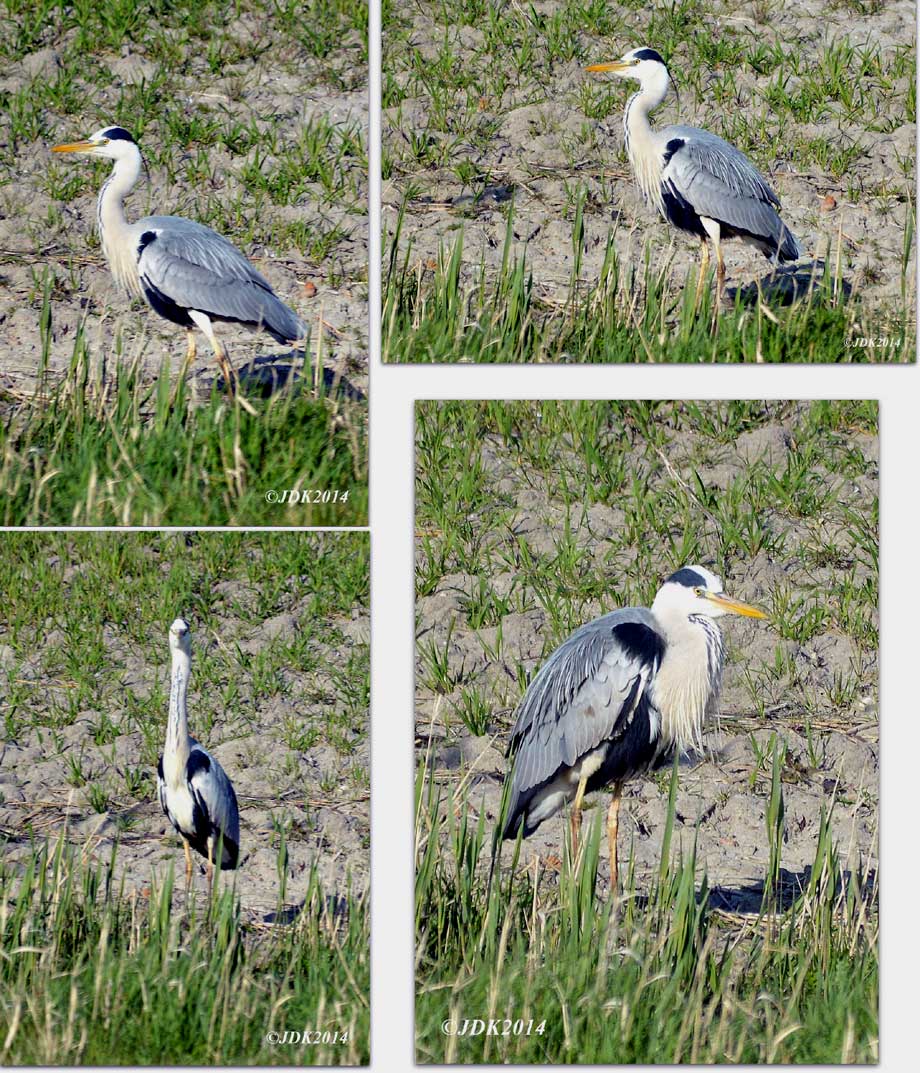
[187, 273]
[194, 790]
[697, 181]
[621, 694]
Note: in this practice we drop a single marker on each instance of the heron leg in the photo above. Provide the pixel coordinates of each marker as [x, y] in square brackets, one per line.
[188, 864]
[220, 351]
[190, 354]
[714, 231]
[720, 276]
[575, 818]
[613, 826]
[210, 863]
[704, 269]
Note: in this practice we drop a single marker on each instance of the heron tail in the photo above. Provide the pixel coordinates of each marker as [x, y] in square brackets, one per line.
[787, 248]
[282, 323]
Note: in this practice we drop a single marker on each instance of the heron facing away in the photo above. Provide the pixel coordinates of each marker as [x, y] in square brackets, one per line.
[194, 790]
[615, 699]
[697, 181]
[188, 273]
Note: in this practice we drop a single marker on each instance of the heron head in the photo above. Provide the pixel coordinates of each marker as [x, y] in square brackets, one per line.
[694, 590]
[645, 65]
[111, 142]
[180, 636]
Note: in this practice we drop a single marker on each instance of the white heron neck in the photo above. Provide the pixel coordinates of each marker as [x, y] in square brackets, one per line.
[689, 679]
[178, 741]
[114, 231]
[640, 142]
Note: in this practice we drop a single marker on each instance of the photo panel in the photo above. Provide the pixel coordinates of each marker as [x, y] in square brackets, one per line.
[757, 207]
[647, 637]
[184, 225]
[184, 799]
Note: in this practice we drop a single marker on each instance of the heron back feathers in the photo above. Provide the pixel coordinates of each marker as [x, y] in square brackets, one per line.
[581, 705]
[204, 806]
[705, 176]
[184, 265]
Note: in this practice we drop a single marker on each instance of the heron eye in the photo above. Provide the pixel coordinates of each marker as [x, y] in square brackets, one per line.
[697, 591]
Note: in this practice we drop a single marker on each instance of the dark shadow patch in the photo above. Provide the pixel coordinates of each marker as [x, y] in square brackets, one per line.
[791, 886]
[786, 284]
[268, 374]
[335, 912]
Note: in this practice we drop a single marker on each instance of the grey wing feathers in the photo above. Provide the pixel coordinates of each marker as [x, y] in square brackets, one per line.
[578, 698]
[719, 182]
[213, 791]
[196, 268]
[161, 788]
[728, 165]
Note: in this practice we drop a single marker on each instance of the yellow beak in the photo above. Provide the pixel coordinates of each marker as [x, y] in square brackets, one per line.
[735, 607]
[73, 147]
[615, 65]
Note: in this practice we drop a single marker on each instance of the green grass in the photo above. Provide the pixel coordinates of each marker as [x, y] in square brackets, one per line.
[804, 512]
[186, 44]
[661, 976]
[93, 975]
[102, 961]
[103, 447]
[136, 584]
[452, 313]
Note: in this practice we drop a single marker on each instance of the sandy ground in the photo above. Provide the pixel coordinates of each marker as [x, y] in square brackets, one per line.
[314, 791]
[331, 295]
[726, 791]
[537, 154]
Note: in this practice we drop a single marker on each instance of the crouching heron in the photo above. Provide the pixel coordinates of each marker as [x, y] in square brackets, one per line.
[194, 790]
[616, 698]
[188, 273]
[697, 181]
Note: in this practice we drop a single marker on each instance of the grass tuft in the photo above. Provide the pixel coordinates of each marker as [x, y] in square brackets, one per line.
[92, 974]
[660, 976]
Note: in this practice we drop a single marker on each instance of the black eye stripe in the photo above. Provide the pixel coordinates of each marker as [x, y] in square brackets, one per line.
[116, 134]
[690, 578]
[649, 54]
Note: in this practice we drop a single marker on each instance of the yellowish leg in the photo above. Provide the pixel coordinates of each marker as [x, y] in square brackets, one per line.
[720, 276]
[220, 352]
[188, 865]
[704, 269]
[613, 825]
[231, 383]
[575, 818]
[210, 864]
[190, 355]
